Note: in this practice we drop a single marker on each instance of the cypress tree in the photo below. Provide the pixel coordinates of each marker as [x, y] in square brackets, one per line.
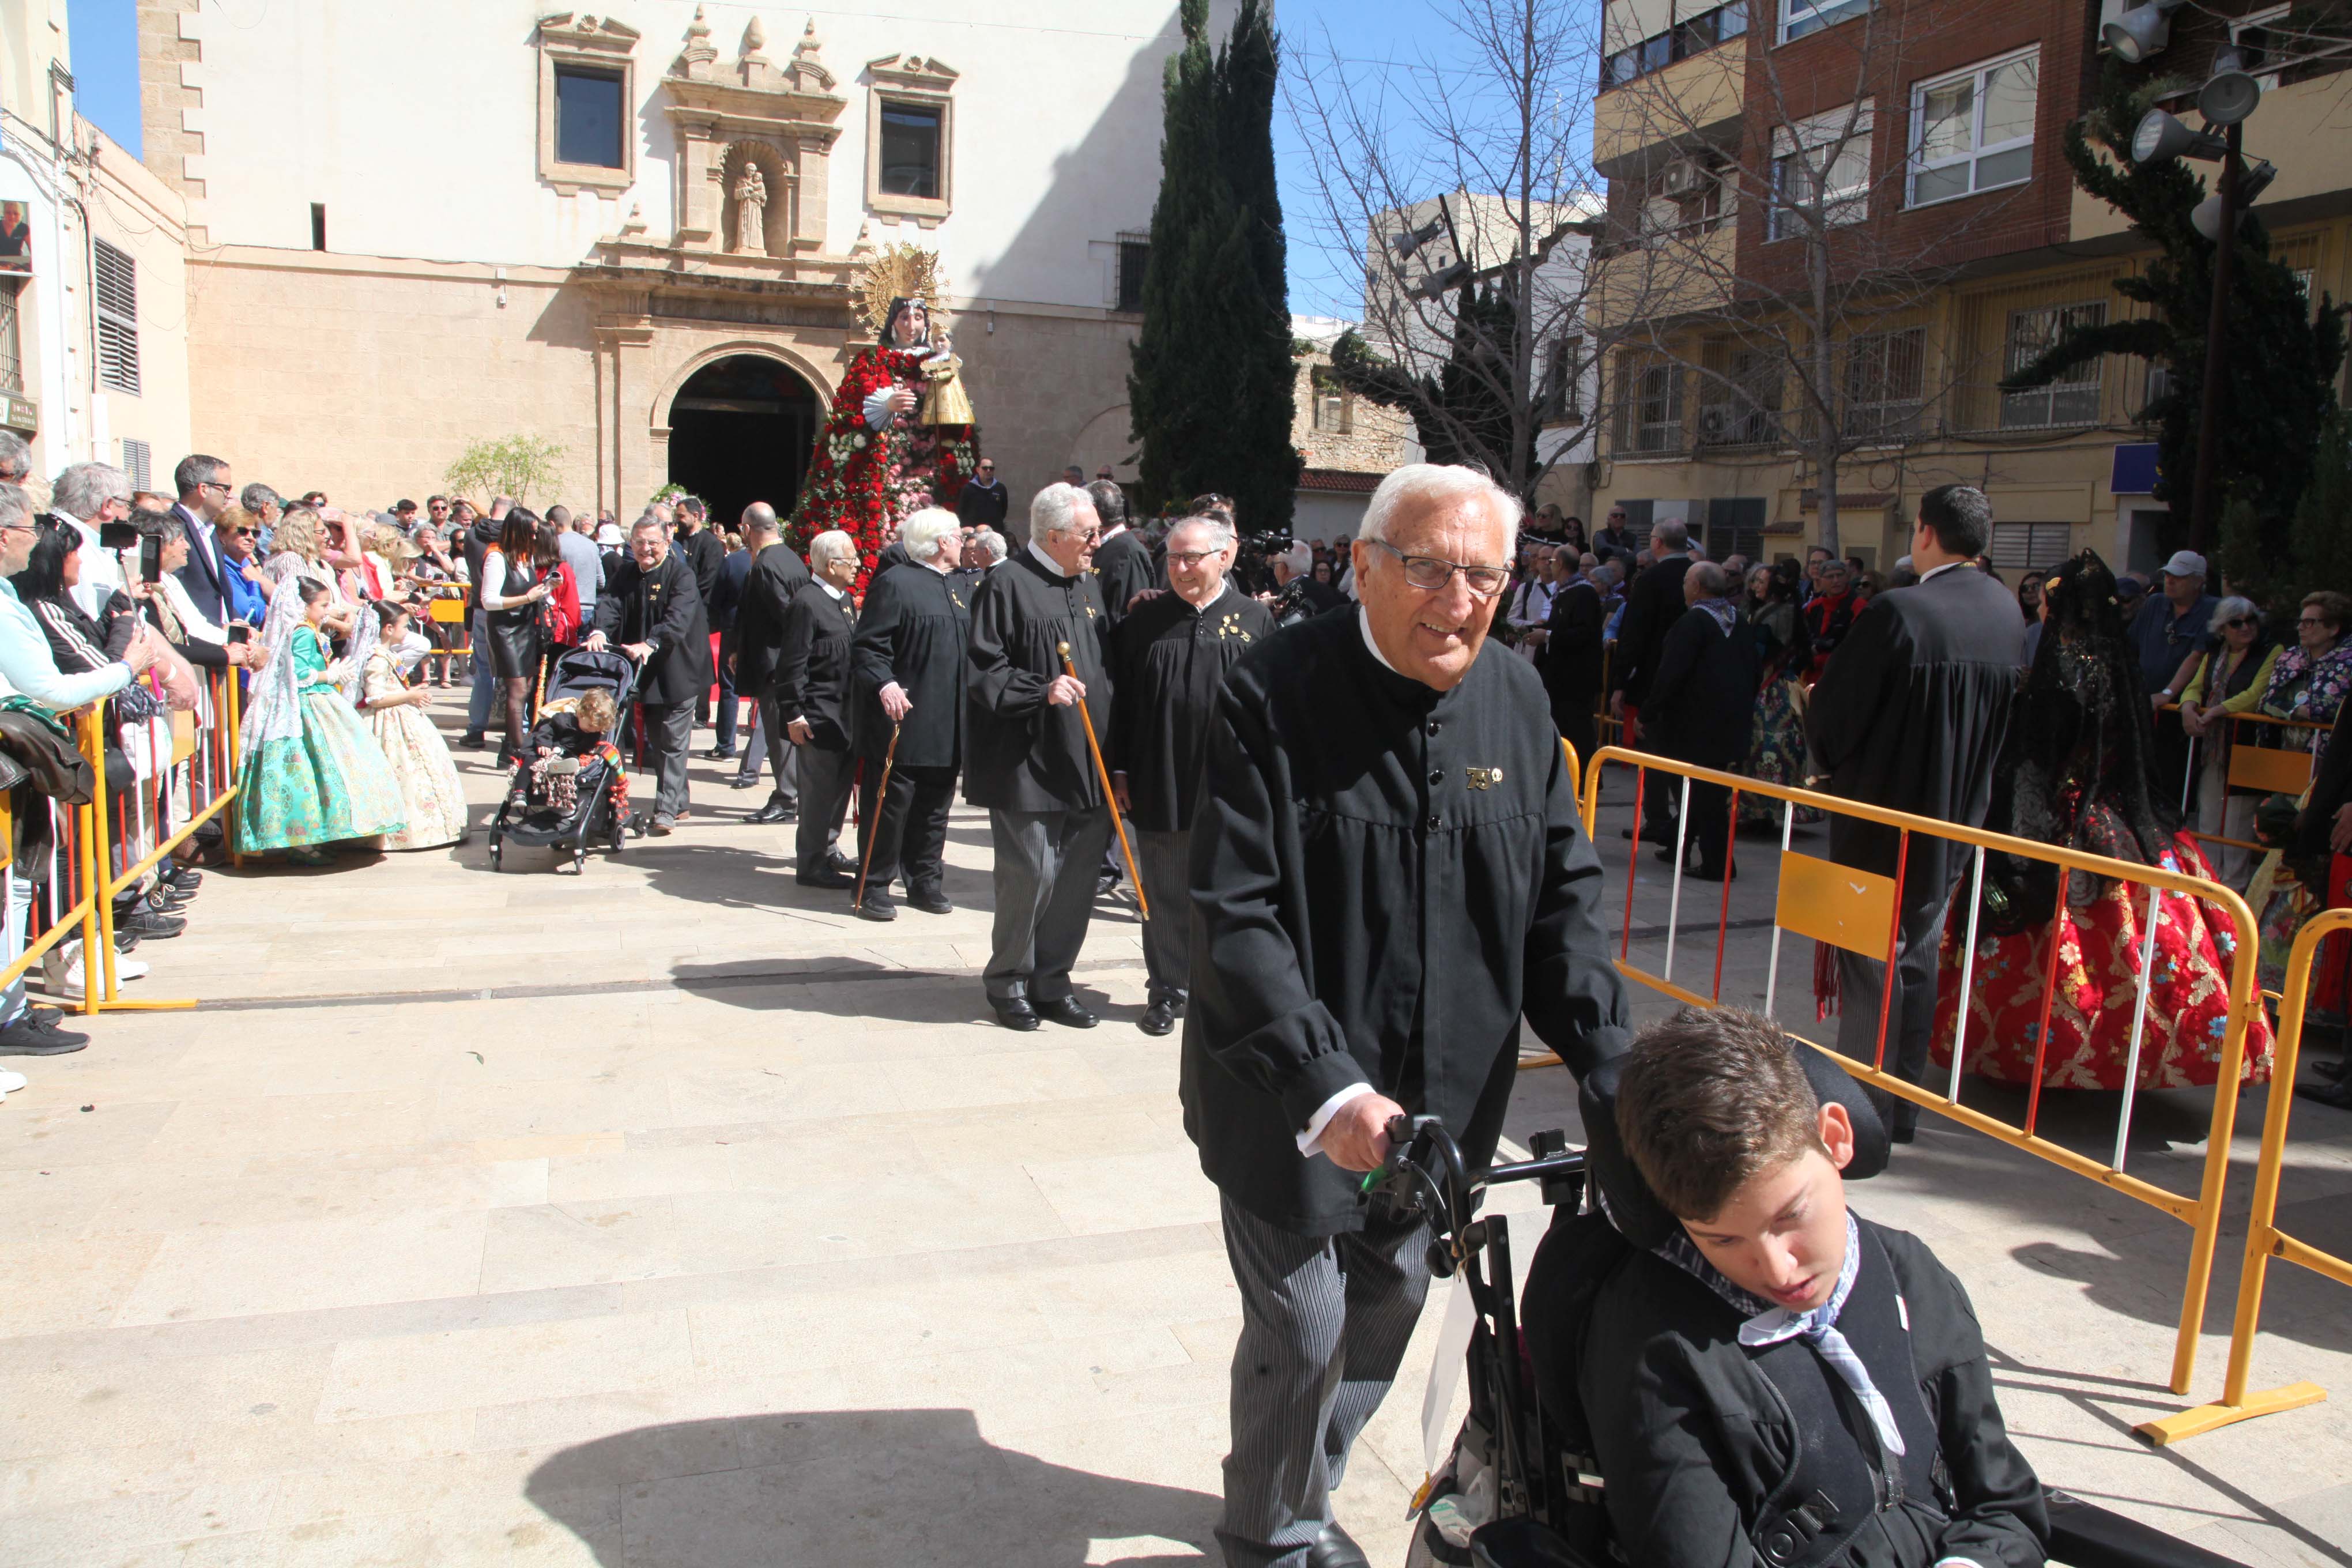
[1210, 394]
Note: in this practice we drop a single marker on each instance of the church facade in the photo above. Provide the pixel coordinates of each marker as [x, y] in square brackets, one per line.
[636, 232]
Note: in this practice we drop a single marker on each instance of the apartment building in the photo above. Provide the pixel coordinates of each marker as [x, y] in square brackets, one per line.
[1835, 227]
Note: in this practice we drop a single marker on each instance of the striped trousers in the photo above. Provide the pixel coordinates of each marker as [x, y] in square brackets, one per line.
[1324, 1324]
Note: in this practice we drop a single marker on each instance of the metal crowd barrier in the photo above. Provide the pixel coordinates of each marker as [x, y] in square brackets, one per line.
[1859, 911]
[2272, 770]
[2264, 1239]
[71, 903]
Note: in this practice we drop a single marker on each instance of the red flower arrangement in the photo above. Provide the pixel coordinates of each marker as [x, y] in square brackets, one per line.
[864, 482]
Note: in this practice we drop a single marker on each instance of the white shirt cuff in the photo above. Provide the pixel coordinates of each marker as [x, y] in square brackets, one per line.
[1310, 1142]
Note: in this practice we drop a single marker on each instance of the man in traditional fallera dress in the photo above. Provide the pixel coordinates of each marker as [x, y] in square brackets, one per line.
[1171, 655]
[1388, 873]
[1030, 761]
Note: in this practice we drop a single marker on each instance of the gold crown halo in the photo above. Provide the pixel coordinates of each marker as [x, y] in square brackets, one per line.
[902, 270]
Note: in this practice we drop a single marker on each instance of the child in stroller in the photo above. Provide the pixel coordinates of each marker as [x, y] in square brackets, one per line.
[570, 787]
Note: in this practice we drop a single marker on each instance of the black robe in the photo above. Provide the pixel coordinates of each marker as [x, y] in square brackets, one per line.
[1170, 661]
[1384, 880]
[705, 552]
[1702, 699]
[1653, 606]
[1026, 753]
[812, 679]
[1123, 568]
[911, 630]
[777, 574]
[1910, 714]
[1571, 661]
[662, 607]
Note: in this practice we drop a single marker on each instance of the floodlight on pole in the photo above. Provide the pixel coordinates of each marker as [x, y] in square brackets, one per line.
[2229, 96]
[2161, 137]
[2206, 217]
[2142, 31]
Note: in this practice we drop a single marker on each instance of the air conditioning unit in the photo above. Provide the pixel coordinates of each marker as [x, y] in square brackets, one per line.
[1683, 177]
[1714, 422]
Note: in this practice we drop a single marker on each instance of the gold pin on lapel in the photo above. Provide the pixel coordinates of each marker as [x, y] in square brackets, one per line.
[1483, 778]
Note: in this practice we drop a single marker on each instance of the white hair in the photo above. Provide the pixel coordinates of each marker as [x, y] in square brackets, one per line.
[994, 542]
[1219, 527]
[2230, 609]
[829, 547]
[1431, 484]
[84, 489]
[1056, 509]
[922, 533]
[1299, 558]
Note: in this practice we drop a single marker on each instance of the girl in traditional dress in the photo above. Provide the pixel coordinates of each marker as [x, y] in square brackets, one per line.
[1776, 748]
[2076, 772]
[430, 788]
[312, 775]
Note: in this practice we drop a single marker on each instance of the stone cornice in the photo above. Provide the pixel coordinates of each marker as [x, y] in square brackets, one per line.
[581, 31]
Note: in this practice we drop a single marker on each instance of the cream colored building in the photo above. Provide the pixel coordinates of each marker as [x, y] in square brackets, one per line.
[419, 226]
[93, 287]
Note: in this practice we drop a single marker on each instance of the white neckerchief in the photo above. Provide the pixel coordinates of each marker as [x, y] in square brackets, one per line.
[1047, 562]
[1364, 625]
[838, 594]
[1225, 586]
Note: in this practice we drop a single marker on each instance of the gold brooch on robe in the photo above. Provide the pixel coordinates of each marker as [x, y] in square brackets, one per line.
[1483, 778]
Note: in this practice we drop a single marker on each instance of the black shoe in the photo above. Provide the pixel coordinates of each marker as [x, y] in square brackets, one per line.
[1014, 1013]
[877, 905]
[1066, 1011]
[930, 900]
[720, 754]
[2336, 1095]
[662, 826]
[472, 740]
[150, 924]
[739, 782]
[34, 1037]
[1105, 885]
[163, 898]
[827, 877]
[186, 879]
[774, 811]
[1158, 1019]
[1703, 873]
[842, 863]
[1335, 1548]
[125, 940]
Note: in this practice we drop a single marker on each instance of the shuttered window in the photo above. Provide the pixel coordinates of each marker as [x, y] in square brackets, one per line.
[138, 464]
[118, 318]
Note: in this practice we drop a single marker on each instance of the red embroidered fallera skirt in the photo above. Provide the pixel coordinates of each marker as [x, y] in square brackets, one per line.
[2097, 992]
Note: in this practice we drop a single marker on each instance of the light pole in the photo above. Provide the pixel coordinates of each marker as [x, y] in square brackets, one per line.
[2225, 102]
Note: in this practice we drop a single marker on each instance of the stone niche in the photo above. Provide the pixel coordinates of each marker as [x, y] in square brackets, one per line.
[751, 112]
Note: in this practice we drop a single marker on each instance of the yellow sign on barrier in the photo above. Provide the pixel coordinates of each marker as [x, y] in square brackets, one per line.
[1836, 904]
[1841, 913]
[2272, 771]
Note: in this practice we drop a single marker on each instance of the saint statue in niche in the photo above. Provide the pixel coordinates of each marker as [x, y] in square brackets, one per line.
[751, 210]
[901, 434]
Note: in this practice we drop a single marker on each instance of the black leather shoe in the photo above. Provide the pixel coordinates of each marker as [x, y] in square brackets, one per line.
[151, 925]
[1335, 1548]
[741, 784]
[1064, 1011]
[1158, 1018]
[825, 878]
[842, 864]
[719, 754]
[2336, 1095]
[2336, 1070]
[125, 940]
[1014, 1013]
[1106, 886]
[472, 740]
[186, 879]
[33, 1037]
[930, 900]
[1713, 873]
[774, 811]
[877, 905]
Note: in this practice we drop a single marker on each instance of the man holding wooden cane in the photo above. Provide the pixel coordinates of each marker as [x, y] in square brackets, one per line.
[906, 675]
[1032, 762]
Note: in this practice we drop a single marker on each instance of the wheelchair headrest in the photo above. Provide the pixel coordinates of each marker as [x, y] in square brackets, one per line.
[1636, 1212]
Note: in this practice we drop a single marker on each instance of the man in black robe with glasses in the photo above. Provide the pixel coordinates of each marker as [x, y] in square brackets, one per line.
[1388, 872]
[1171, 655]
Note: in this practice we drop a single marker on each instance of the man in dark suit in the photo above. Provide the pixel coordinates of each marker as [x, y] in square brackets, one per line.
[1123, 563]
[652, 608]
[775, 574]
[1653, 606]
[1569, 657]
[1702, 703]
[726, 594]
[1909, 715]
[205, 493]
[811, 693]
[983, 501]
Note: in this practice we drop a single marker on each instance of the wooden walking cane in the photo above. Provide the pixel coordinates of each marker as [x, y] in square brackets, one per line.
[873, 828]
[1142, 906]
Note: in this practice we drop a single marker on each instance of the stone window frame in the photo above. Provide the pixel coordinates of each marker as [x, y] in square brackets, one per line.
[596, 43]
[920, 83]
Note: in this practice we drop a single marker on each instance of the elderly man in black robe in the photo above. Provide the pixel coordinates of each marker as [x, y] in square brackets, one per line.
[907, 654]
[1171, 655]
[651, 608]
[774, 575]
[1031, 764]
[811, 697]
[1701, 704]
[1909, 715]
[1388, 874]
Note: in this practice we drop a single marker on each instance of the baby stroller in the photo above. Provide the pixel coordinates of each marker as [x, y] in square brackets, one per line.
[571, 806]
[1522, 1487]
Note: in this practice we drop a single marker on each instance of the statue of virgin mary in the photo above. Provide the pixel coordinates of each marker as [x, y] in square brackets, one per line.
[900, 435]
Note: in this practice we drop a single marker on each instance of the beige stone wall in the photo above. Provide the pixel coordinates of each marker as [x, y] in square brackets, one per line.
[1373, 443]
[367, 377]
[166, 97]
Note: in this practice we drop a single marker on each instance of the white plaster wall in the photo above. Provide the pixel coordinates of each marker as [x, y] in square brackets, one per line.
[415, 125]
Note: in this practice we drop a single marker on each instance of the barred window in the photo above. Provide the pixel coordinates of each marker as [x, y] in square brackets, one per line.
[1134, 258]
[118, 318]
[2074, 399]
[1883, 379]
[138, 463]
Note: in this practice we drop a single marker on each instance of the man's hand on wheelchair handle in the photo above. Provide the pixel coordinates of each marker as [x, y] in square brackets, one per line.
[1357, 1136]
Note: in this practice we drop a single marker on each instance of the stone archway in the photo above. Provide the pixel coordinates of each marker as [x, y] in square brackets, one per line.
[740, 430]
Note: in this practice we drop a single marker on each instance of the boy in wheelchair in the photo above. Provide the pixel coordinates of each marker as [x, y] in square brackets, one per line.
[1777, 1380]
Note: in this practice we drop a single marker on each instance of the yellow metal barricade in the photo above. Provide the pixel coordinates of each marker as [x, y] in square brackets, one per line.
[75, 862]
[2273, 770]
[2264, 1240]
[1859, 911]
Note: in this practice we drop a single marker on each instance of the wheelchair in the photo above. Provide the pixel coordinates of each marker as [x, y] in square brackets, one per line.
[1522, 1487]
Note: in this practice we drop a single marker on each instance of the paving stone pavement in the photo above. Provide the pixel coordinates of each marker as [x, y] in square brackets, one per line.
[672, 1215]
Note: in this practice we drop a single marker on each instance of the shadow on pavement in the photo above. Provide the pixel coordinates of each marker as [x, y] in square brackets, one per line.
[913, 1489]
[855, 988]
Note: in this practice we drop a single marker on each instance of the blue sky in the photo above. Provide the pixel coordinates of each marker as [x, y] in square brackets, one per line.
[1395, 41]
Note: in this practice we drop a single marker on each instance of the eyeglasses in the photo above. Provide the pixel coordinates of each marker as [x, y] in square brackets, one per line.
[2313, 621]
[1191, 557]
[244, 532]
[1429, 572]
[214, 484]
[2241, 623]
